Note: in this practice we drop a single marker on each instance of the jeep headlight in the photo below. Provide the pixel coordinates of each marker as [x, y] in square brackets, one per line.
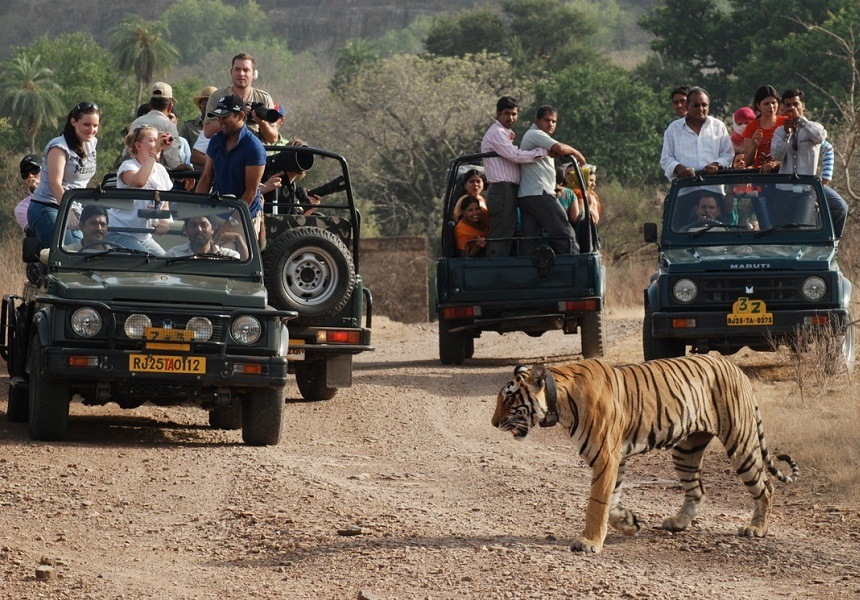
[685, 290]
[86, 322]
[246, 330]
[814, 288]
[136, 325]
[202, 328]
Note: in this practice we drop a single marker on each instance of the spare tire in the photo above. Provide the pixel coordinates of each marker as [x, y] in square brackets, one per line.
[310, 271]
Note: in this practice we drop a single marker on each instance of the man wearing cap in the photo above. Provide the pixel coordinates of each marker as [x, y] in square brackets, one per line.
[31, 169]
[191, 128]
[160, 107]
[235, 158]
[243, 72]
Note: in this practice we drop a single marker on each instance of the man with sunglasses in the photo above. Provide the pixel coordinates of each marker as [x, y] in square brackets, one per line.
[31, 169]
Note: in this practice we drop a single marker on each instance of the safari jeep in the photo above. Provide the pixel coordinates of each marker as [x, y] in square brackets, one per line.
[311, 264]
[533, 294]
[762, 273]
[109, 323]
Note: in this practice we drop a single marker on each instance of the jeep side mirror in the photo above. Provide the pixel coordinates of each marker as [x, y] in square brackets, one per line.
[650, 231]
[30, 249]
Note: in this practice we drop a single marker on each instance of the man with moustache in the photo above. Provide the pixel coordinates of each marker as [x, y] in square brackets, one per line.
[199, 231]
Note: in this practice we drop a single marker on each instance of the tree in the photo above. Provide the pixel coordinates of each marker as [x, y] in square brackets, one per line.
[352, 57]
[611, 117]
[141, 47]
[402, 122]
[29, 96]
[538, 35]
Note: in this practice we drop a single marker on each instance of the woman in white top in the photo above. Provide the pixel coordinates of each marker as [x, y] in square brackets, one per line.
[143, 171]
[68, 162]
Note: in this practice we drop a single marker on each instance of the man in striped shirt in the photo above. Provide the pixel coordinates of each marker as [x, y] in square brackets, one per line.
[503, 176]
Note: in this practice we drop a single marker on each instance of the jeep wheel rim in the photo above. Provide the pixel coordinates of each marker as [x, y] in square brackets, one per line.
[310, 276]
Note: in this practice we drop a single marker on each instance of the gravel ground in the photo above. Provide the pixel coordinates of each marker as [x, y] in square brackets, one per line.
[398, 488]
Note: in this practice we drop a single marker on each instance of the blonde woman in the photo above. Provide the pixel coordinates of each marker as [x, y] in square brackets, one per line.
[143, 171]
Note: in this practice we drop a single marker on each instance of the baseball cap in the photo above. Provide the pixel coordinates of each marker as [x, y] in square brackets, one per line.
[226, 105]
[279, 108]
[31, 162]
[744, 114]
[159, 89]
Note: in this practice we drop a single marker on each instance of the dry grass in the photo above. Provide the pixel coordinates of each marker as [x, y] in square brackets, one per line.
[13, 274]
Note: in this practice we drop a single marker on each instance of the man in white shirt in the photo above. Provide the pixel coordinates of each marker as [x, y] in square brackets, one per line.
[539, 206]
[199, 232]
[697, 142]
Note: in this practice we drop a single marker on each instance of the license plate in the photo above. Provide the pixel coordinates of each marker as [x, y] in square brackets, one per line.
[155, 363]
[160, 334]
[746, 311]
[297, 350]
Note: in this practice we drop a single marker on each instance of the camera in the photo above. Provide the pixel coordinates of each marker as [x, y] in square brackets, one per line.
[335, 185]
[267, 114]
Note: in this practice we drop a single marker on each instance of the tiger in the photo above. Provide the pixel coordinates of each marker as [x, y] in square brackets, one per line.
[612, 413]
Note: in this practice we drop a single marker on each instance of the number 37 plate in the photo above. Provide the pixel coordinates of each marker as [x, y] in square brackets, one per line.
[746, 311]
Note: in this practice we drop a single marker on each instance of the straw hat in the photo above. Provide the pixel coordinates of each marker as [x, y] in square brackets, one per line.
[204, 93]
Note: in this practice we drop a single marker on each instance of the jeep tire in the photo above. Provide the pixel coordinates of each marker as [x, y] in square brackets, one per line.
[654, 348]
[309, 270]
[591, 334]
[49, 400]
[311, 379]
[262, 416]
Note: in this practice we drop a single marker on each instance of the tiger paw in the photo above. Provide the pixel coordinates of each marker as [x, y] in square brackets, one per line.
[624, 520]
[677, 523]
[751, 531]
[587, 546]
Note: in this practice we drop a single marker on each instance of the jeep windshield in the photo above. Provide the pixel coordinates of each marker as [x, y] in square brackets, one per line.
[746, 205]
[101, 225]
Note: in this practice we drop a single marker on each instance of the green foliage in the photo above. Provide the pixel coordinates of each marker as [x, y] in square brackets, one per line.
[538, 35]
[84, 72]
[402, 122]
[612, 118]
[409, 40]
[201, 26]
[141, 48]
[353, 57]
[28, 96]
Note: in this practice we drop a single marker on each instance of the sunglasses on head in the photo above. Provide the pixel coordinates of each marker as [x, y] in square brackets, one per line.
[85, 107]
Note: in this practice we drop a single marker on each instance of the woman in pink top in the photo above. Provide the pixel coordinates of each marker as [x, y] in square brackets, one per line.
[759, 132]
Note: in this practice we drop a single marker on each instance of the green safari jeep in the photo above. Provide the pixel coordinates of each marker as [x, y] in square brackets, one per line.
[103, 320]
[761, 273]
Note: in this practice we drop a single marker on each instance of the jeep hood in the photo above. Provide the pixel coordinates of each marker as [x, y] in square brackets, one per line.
[798, 257]
[158, 287]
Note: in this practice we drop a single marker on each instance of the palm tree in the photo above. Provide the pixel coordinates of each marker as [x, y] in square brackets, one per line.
[352, 57]
[29, 96]
[142, 46]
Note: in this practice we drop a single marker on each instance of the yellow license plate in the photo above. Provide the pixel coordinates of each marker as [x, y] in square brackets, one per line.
[297, 350]
[160, 334]
[155, 363]
[746, 311]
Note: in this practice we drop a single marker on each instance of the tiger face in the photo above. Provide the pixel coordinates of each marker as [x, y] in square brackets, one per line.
[518, 405]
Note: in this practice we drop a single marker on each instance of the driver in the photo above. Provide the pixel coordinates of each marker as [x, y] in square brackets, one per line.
[94, 226]
[199, 231]
[707, 212]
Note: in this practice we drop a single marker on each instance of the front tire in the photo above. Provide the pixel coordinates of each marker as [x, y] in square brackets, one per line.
[311, 379]
[262, 417]
[591, 334]
[654, 348]
[49, 400]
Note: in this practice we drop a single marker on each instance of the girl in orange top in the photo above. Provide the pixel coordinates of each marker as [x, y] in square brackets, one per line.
[470, 233]
[759, 132]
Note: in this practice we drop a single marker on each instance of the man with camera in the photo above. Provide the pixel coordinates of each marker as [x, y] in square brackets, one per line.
[797, 144]
[235, 158]
[160, 107]
[257, 104]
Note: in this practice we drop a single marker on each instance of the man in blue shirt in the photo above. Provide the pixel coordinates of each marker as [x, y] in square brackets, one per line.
[235, 158]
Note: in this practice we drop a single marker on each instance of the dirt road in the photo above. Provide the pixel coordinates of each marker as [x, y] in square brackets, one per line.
[398, 488]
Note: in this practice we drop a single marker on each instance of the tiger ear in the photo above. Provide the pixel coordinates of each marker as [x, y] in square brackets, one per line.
[538, 373]
[520, 369]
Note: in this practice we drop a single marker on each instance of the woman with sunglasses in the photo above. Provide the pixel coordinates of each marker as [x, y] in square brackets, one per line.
[68, 162]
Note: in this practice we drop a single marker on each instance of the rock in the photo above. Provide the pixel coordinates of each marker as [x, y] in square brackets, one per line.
[365, 595]
[45, 572]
